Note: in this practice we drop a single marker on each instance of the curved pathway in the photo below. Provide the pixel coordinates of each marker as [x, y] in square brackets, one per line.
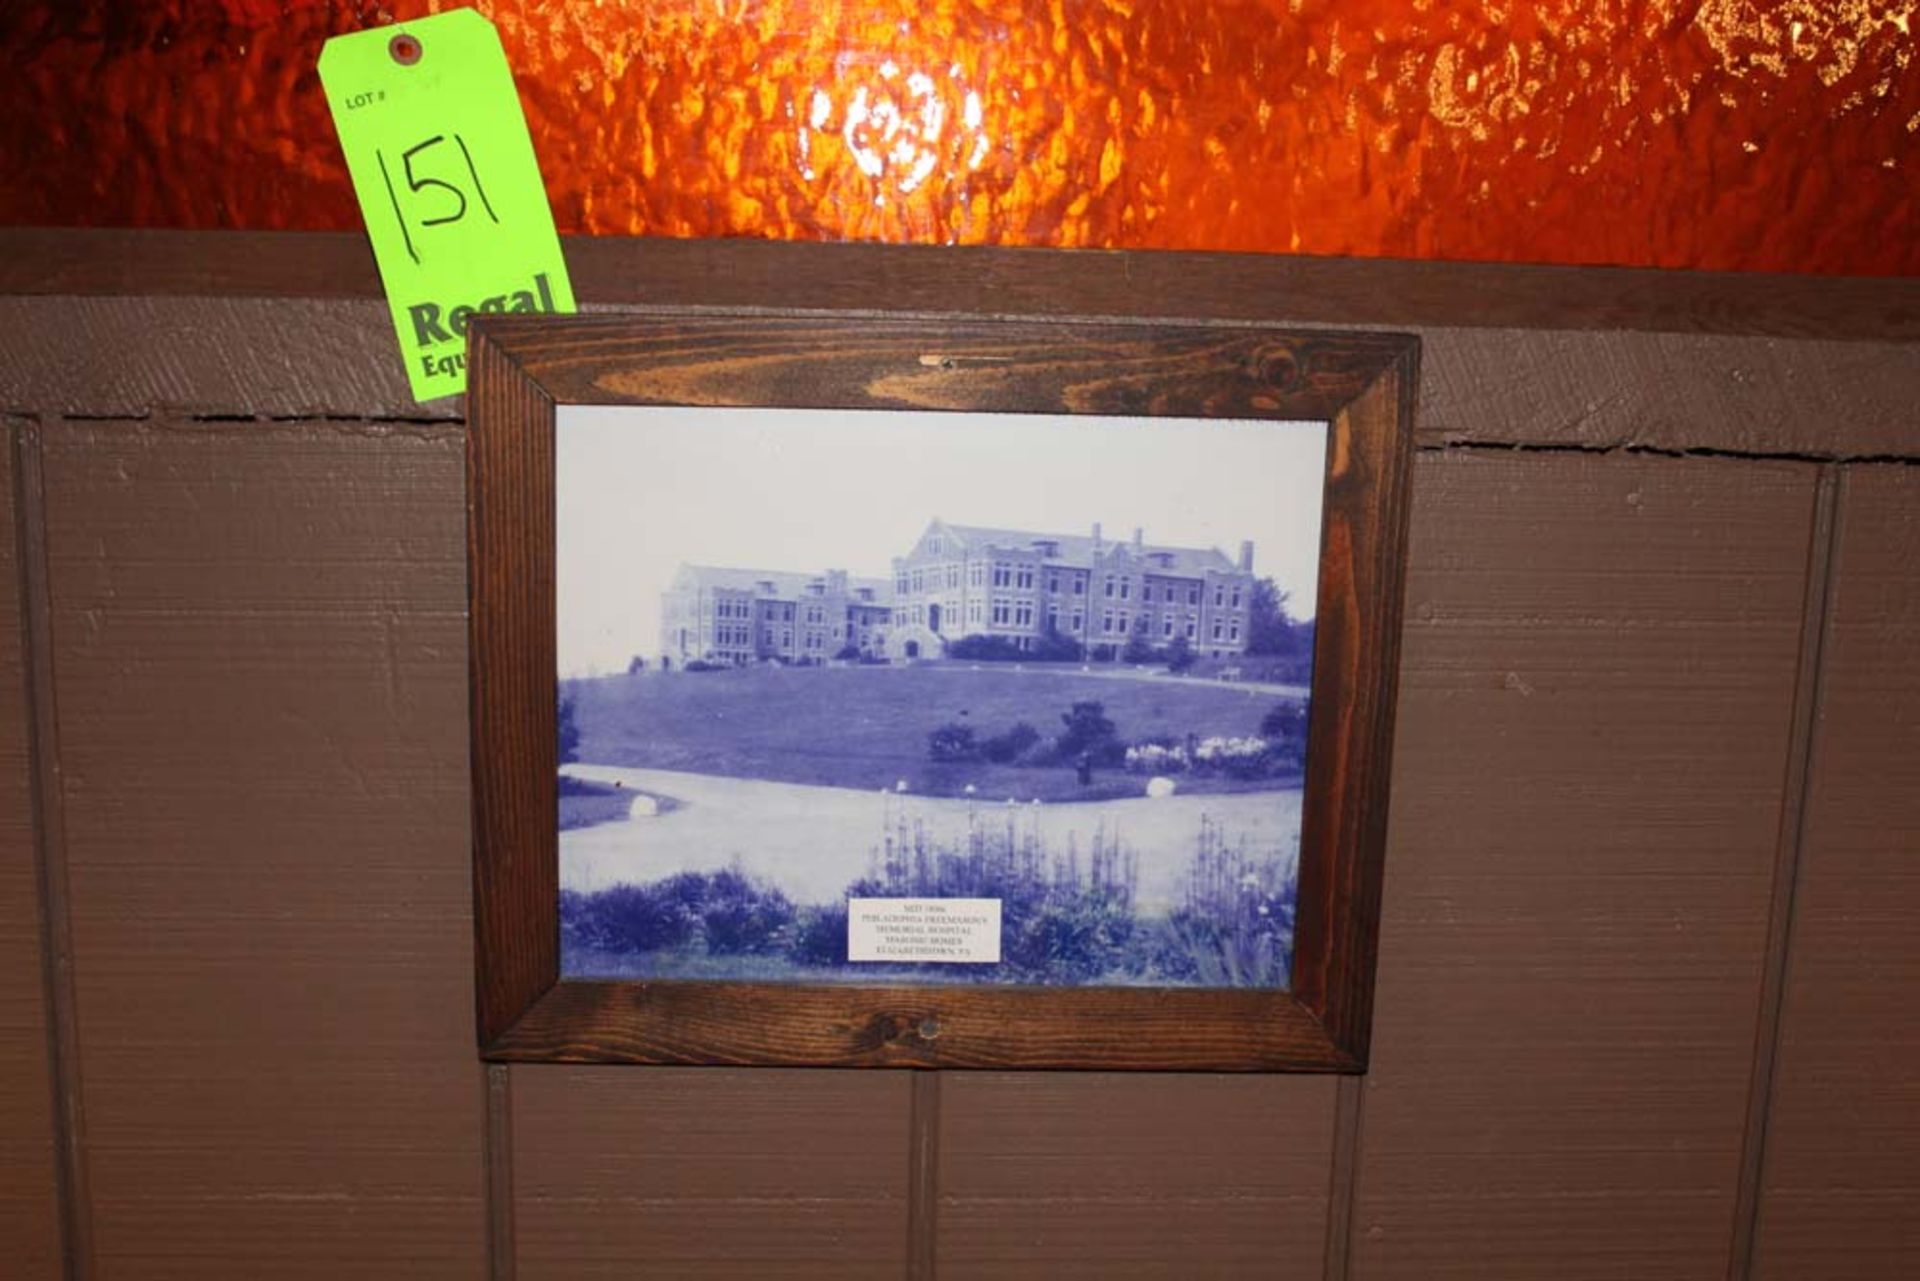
[813, 842]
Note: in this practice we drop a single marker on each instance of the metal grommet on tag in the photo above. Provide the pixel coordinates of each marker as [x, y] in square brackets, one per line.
[405, 49]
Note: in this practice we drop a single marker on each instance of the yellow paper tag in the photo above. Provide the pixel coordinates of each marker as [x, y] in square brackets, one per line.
[447, 182]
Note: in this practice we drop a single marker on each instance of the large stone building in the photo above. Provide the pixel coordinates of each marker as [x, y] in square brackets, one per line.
[736, 616]
[966, 580]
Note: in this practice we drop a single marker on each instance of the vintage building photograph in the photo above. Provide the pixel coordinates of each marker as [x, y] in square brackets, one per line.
[814, 664]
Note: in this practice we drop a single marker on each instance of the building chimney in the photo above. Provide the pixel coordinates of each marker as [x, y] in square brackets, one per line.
[1096, 538]
[1139, 539]
[1246, 556]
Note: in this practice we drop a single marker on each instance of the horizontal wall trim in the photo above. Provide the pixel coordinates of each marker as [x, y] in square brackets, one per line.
[984, 280]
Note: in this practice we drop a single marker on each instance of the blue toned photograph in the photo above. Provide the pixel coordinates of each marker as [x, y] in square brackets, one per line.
[897, 697]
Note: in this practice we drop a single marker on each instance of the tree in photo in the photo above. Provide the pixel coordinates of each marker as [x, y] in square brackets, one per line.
[1088, 730]
[569, 743]
[1269, 629]
[1273, 633]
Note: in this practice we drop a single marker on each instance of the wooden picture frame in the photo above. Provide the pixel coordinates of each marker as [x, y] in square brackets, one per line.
[521, 369]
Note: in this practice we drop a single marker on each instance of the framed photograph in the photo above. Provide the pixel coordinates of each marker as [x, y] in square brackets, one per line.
[932, 692]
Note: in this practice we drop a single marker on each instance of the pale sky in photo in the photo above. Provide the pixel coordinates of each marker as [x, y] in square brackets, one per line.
[641, 489]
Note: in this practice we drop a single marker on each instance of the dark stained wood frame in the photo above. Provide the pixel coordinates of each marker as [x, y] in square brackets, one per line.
[521, 368]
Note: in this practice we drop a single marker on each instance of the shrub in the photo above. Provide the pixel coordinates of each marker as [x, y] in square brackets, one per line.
[1180, 654]
[1157, 758]
[1088, 730]
[630, 918]
[1050, 648]
[820, 935]
[729, 912]
[1055, 648]
[952, 742]
[1010, 746]
[1286, 729]
[1234, 927]
[1244, 758]
[699, 665]
[740, 915]
[987, 649]
[848, 653]
[1285, 720]
[1138, 649]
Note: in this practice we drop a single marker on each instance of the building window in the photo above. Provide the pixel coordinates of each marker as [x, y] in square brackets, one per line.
[1193, 627]
[953, 576]
[977, 574]
[1079, 585]
[1109, 589]
[919, 582]
[1193, 595]
[1026, 578]
[1079, 622]
[1123, 622]
[1236, 598]
[1002, 576]
[973, 612]
[900, 584]
[1053, 582]
[1219, 596]
[1106, 621]
[786, 638]
[1000, 613]
[1218, 627]
[1233, 630]
[1126, 588]
[1166, 625]
[1053, 618]
[933, 546]
[1024, 615]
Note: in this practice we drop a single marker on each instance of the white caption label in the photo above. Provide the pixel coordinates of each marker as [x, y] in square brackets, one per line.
[965, 930]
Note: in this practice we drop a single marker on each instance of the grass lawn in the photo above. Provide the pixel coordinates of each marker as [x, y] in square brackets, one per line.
[867, 727]
[583, 803]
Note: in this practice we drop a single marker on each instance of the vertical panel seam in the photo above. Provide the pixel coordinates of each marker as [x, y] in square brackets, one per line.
[1343, 1175]
[923, 1176]
[497, 1160]
[1796, 784]
[50, 848]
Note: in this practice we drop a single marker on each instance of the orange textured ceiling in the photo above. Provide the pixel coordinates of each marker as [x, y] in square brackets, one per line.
[1777, 135]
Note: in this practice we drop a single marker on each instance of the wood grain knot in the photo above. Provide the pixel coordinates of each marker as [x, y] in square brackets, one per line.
[1277, 367]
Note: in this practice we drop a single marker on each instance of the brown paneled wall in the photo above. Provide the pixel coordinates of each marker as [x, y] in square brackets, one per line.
[1648, 957]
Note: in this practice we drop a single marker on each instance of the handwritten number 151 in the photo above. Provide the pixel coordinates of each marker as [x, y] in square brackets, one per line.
[419, 186]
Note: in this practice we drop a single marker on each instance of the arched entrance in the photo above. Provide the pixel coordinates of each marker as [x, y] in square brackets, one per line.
[913, 649]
